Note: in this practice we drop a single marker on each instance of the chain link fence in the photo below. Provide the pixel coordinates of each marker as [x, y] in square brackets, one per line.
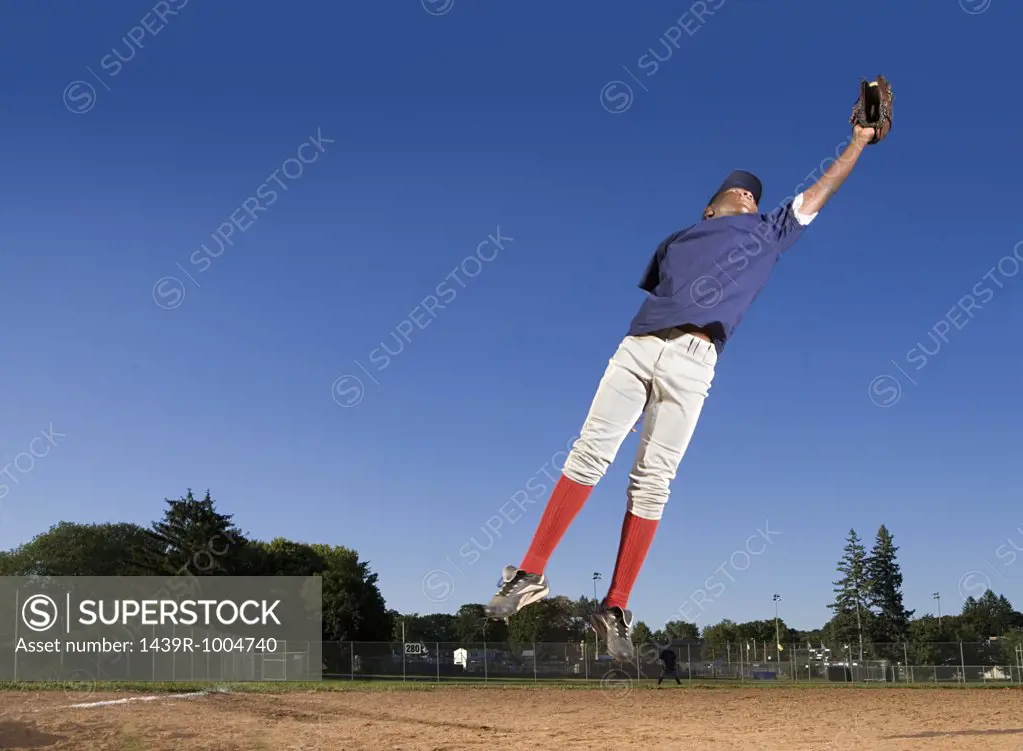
[992, 662]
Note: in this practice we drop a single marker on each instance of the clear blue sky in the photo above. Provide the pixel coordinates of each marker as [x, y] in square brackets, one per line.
[444, 128]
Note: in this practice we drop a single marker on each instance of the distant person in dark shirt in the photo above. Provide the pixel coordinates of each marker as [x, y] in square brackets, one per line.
[669, 666]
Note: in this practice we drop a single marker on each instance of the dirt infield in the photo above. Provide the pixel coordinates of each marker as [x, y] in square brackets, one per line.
[517, 719]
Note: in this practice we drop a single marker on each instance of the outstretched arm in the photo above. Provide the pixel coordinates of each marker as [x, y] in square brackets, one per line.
[821, 191]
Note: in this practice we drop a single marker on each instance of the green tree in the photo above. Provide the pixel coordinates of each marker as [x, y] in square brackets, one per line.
[353, 607]
[759, 637]
[1016, 621]
[583, 607]
[581, 610]
[494, 632]
[9, 563]
[648, 648]
[429, 629]
[473, 627]
[281, 557]
[851, 621]
[991, 618]
[720, 640]
[1008, 645]
[549, 620]
[812, 639]
[890, 619]
[69, 549]
[989, 615]
[529, 624]
[439, 627]
[934, 643]
[682, 631]
[641, 634]
[405, 627]
[194, 538]
[758, 631]
[469, 623]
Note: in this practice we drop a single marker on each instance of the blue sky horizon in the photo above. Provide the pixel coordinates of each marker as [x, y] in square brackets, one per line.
[358, 271]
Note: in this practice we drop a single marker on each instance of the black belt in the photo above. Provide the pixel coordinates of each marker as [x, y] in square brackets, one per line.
[676, 332]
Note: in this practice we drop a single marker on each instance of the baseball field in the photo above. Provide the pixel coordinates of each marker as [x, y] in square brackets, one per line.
[344, 716]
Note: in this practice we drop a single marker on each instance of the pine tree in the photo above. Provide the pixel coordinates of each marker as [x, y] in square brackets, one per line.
[890, 619]
[194, 538]
[990, 615]
[851, 614]
[1012, 618]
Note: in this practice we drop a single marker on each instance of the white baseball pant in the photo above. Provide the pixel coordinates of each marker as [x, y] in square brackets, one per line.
[666, 375]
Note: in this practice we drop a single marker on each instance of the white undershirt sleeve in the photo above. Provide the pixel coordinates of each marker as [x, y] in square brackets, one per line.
[803, 219]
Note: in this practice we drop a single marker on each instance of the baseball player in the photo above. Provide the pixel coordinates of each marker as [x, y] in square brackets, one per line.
[669, 665]
[700, 283]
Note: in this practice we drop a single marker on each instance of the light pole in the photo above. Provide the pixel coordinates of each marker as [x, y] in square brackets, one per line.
[859, 623]
[937, 596]
[777, 632]
[486, 666]
[596, 646]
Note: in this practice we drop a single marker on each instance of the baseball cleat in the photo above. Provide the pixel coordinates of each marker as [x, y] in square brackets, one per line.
[615, 625]
[517, 589]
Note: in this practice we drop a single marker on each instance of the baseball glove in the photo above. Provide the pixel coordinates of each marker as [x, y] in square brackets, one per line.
[873, 109]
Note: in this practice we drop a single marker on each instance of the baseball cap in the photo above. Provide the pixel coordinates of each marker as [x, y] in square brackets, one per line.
[741, 179]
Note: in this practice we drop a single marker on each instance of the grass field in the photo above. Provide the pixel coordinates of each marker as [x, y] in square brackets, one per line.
[512, 715]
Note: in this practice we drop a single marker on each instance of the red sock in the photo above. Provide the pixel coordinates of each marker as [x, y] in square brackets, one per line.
[566, 500]
[637, 534]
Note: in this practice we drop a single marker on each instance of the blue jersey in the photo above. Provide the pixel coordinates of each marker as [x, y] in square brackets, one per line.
[708, 275]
